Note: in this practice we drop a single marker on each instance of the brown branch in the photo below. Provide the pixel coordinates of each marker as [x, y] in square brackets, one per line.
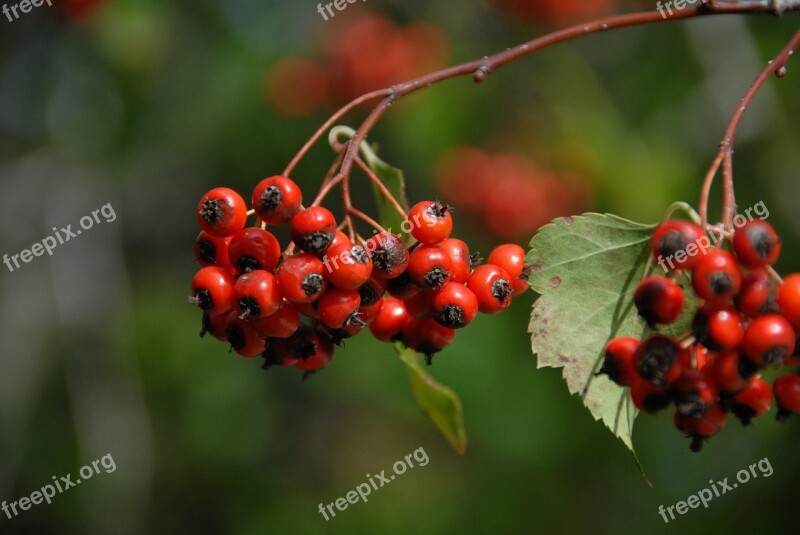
[776, 66]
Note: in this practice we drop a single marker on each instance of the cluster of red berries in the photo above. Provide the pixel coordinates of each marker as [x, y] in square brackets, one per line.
[747, 320]
[293, 308]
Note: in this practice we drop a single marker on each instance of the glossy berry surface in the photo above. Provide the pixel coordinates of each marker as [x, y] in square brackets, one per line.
[277, 199]
[313, 230]
[658, 300]
[717, 276]
[430, 221]
[253, 248]
[221, 212]
[618, 360]
[756, 244]
[768, 340]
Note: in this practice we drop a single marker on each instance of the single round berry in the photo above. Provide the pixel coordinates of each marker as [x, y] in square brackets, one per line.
[430, 267]
[388, 325]
[694, 393]
[277, 199]
[731, 372]
[338, 307]
[703, 428]
[221, 212]
[618, 360]
[648, 397]
[321, 356]
[427, 336]
[674, 244]
[752, 402]
[347, 266]
[210, 250]
[719, 328]
[283, 323]
[454, 305]
[657, 360]
[301, 278]
[419, 305]
[313, 230]
[368, 313]
[717, 277]
[256, 294]
[768, 340]
[430, 221]
[659, 300]
[756, 244]
[243, 337]
[511, 257]
[492, 287]
[254, 248]
[789, 299]
[787, 394]
[212, 289]
[214, 324]
[757, 295]
[389, 255]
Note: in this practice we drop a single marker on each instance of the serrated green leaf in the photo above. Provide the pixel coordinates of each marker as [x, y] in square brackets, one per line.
[439, 402]
[586, 269]
[395, 182]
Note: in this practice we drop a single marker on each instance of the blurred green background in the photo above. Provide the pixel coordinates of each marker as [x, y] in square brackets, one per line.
[148, 104]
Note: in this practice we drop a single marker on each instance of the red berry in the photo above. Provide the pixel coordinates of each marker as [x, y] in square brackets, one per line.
[308, 310]
[430, 221]
[254, 248]
[659, 360]
[511, 257]
[389, 255]
[210, 250]
[300, 278]
[694, 393]
[753, 402]
[701, 429]
[212, 289]
[313, 230]
[787, 394]
[214, 324]
[674, 244]
[283, 323]
[427, 336]
[277, 199]
[458, 251]
[491, 285]
[454, 305]
[256, 294]
[731, 372]
[318, 350]
[618, 361]
[388, 325]
[719, 328]
[430, 267]
[658, 300]
[243, 337]
[716, 277]
[789, 299]
[402, 287]
[340, 237]
[221, 212]
[757, 295]
[768, 340]
[347, 266]
[756, 244]
[338, 308]
[369, 313]
[648, 397]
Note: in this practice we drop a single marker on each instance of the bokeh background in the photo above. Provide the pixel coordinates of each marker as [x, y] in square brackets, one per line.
[147, 104]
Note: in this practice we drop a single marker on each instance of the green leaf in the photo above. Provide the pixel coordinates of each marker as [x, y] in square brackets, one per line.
[586, 269]
[395, 182]
[437, 401]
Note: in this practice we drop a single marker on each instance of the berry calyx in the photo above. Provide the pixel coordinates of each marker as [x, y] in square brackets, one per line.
[657, 360]
[492, 287]
[717, 277]
[256, 294]
[313, 230]
[430, 267]
[301, 278]
[454, 305]
[389, 255]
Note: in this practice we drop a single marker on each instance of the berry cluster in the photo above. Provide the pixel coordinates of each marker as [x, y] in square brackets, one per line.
[747, 320]
[293, 307]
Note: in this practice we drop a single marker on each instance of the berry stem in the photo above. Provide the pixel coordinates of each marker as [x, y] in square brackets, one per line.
[364, 217]
[724, 156]
[382, 187]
